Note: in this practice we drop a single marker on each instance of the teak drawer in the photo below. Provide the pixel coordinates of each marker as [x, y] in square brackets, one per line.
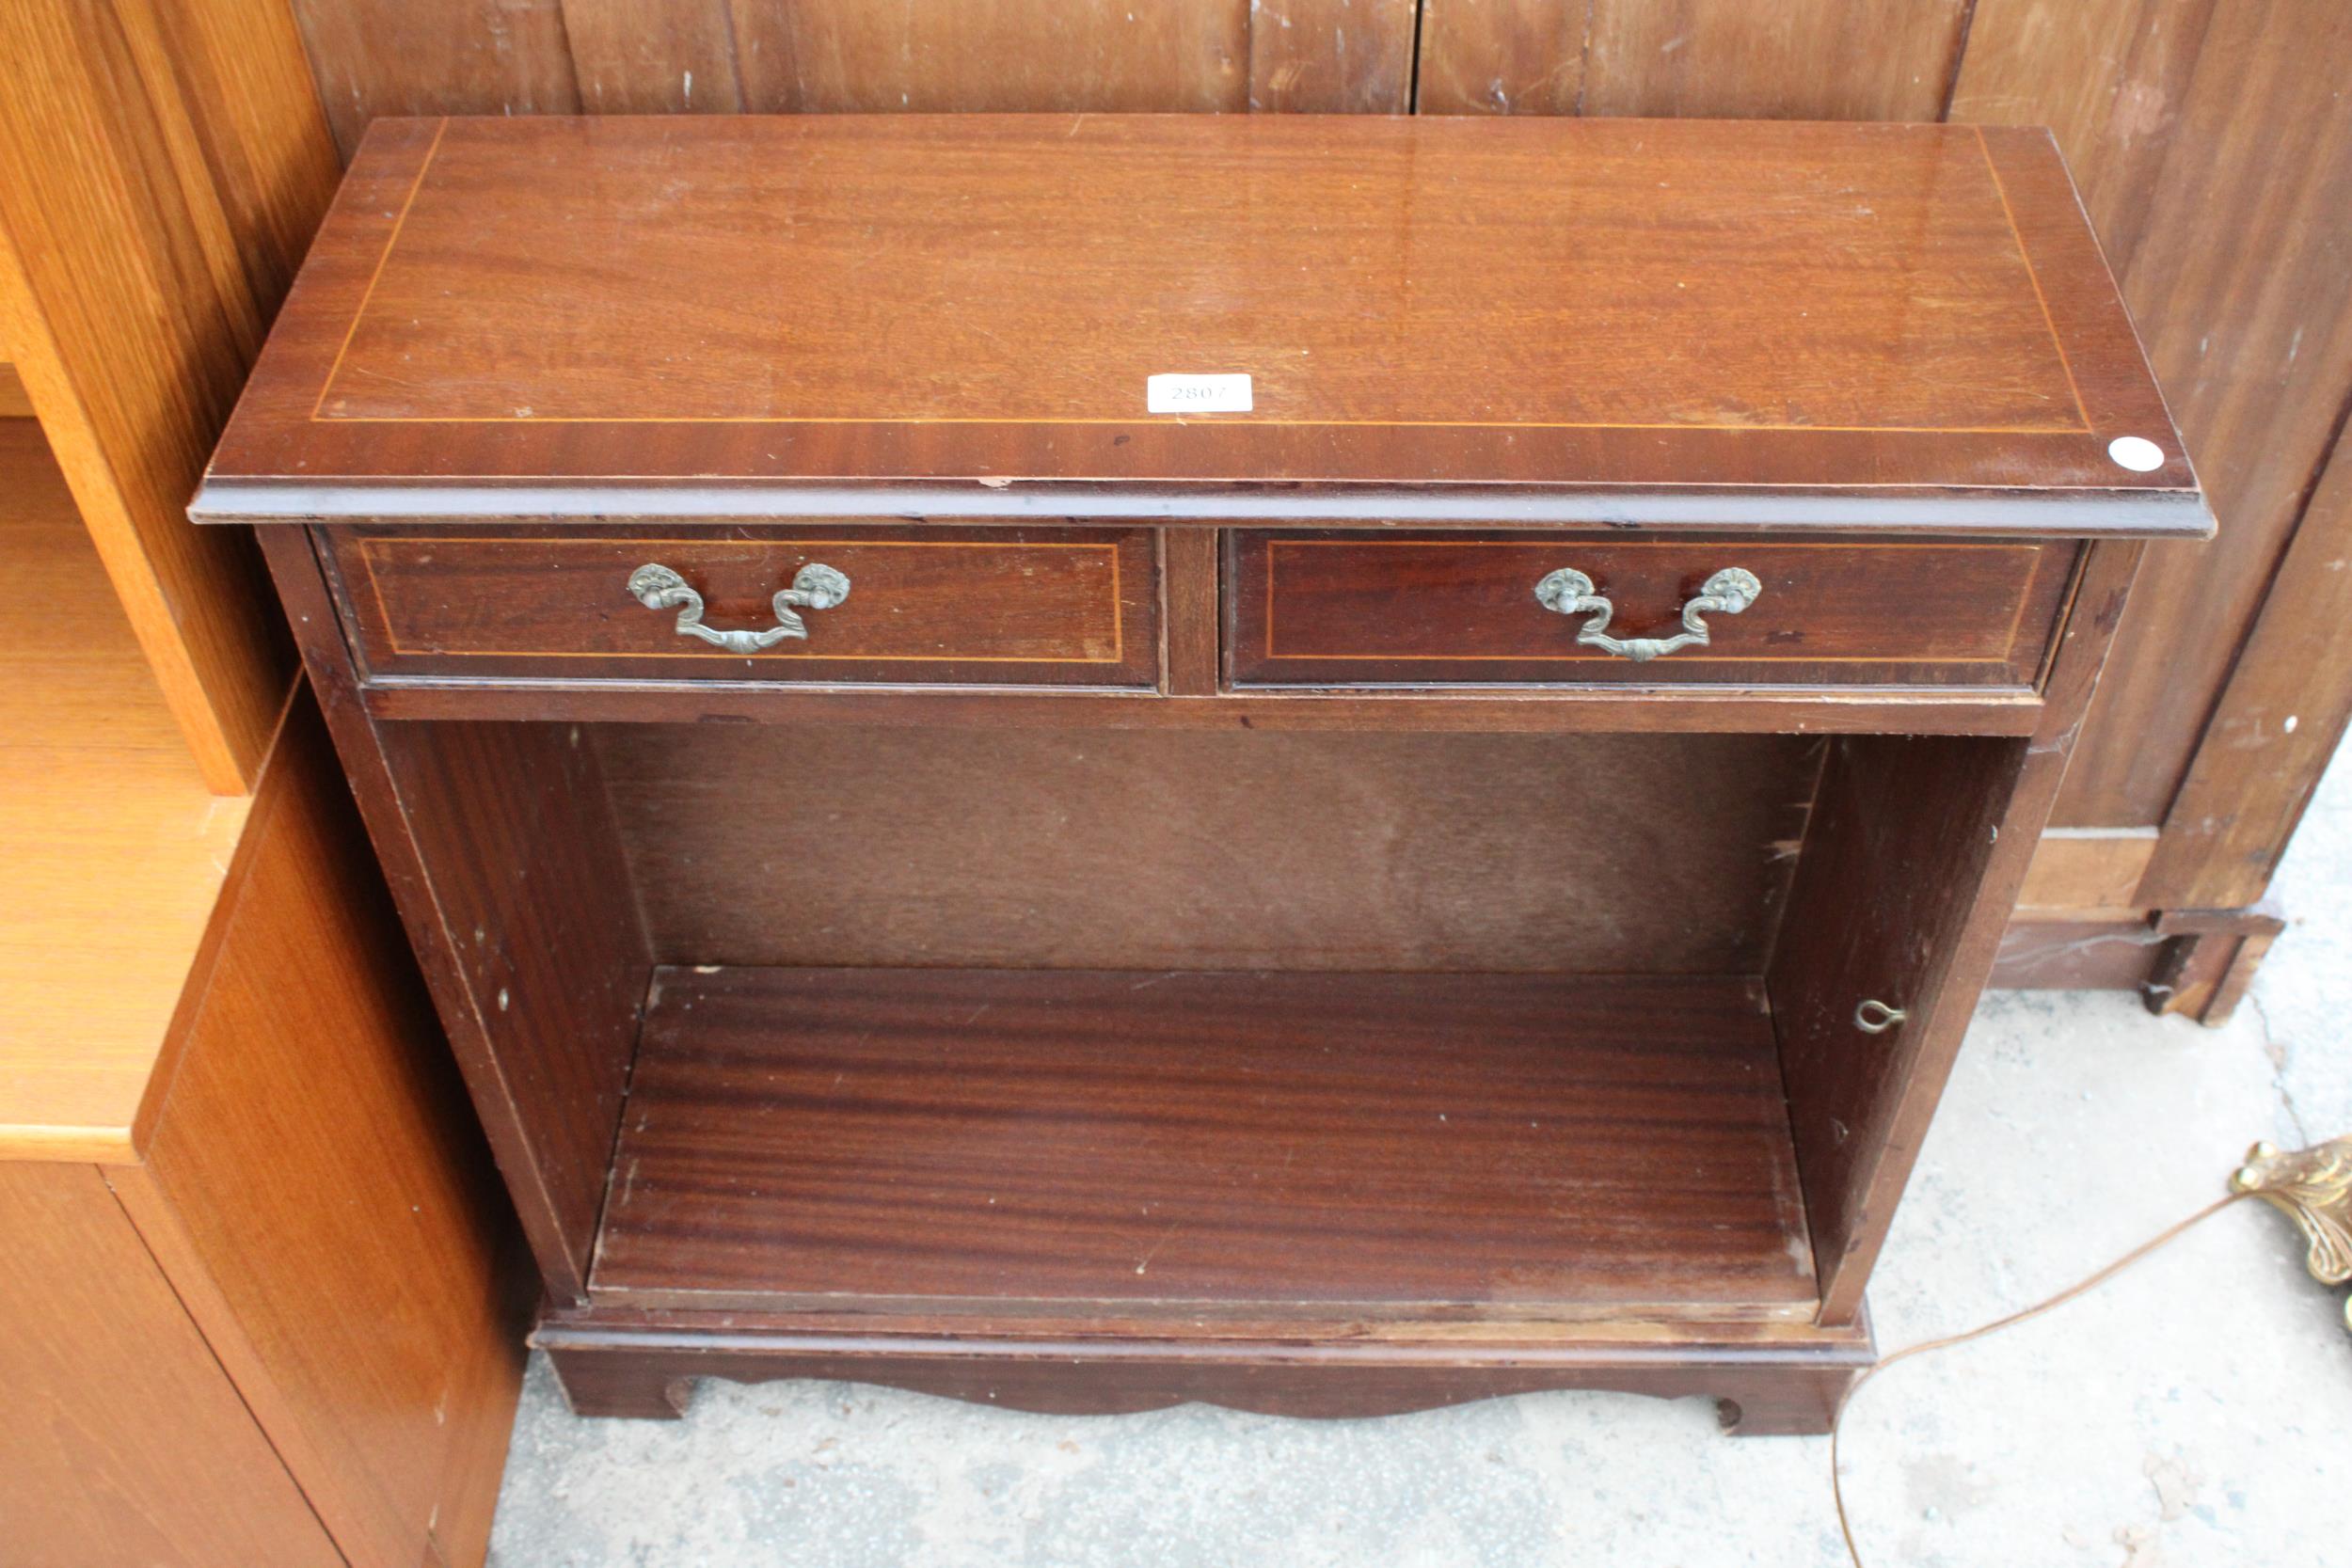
[925, 606]
[1329, 609]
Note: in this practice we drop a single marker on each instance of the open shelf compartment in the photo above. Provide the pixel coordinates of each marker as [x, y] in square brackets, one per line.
[1258, 1145]
[1104, 1070]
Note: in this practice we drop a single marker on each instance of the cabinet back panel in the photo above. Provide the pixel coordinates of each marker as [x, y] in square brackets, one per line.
[1137, 849]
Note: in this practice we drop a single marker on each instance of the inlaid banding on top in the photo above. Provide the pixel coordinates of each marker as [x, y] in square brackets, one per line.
[782, 273]
[832, 316]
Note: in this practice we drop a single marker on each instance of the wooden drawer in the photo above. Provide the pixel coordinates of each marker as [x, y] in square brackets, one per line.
[926, 605]
[1350, 608]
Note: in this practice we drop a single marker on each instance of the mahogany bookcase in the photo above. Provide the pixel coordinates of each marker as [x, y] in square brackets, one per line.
[1328, 764]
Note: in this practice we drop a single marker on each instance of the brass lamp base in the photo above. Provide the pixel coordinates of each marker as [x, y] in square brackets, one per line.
[2313, 1187]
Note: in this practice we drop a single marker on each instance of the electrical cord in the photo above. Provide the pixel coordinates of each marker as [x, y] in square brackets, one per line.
[2169, 1235]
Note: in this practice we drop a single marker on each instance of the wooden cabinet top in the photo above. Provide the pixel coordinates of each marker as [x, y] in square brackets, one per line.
[1494, 320]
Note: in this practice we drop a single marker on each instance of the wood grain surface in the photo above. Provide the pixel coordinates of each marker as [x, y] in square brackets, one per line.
[2206, 138]
[376, 58]
[442, 56]
[1914, 852]
[1793, 59]
[1206, 1143]
[2213, 144]
[1315, 57]
[2278, 723]
[1894, 863]
[1765, 1378]
[1907, 308]
[1500, 57]
[112, 849]
[1048, 1013]
[2078, 869]
[826, 845]
[515, 906]
[126, 1443]
[1192, 611]
[2158, 104]
[161, 169]
[1598, 710]
[1350, 610]
[628, 56]
[529, 906]
[318, 1192]
[927, 606]
[980, 55]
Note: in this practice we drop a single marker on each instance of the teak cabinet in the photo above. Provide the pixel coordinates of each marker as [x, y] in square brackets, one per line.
[1461, 871]
[261, 1300]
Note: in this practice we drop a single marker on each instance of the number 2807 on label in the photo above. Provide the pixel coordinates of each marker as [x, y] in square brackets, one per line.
[1197, 394]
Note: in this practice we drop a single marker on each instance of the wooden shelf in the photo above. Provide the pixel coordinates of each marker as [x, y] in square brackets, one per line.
[1253, 1146]
[112, 849]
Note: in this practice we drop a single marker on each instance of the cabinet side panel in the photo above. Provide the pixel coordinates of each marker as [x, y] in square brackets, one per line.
[1912, 862]
[318, 1191]
[497, 842]
[125, 1445]
[512, 824]
[1901, 835]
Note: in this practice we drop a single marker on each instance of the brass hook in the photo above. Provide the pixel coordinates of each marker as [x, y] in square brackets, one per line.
[1876, 1018]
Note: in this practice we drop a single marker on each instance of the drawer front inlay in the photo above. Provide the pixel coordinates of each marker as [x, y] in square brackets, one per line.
[922, 607]
[1325, 608]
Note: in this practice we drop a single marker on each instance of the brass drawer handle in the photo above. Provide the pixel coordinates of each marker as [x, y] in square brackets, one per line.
[1570, 592]
[814, 587]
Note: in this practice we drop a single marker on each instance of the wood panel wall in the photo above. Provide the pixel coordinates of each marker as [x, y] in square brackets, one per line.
[724, 57]
[2212, 138]
[1787, 60]
[2213, 141]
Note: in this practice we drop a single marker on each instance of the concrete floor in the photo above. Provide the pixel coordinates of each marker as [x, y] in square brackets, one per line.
[2196, 1411]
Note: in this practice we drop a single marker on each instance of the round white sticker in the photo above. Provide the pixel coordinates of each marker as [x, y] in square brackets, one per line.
[2136, 453]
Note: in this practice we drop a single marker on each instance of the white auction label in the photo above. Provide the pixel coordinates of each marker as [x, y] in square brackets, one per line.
[1196, 394]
